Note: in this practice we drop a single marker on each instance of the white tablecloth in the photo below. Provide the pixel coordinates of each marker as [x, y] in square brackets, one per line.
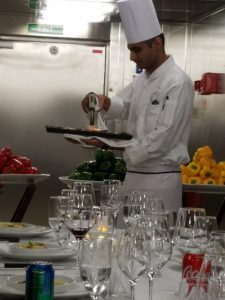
[165, 287]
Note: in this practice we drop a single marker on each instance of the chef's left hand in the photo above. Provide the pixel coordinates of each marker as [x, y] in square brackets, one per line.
[94, 142]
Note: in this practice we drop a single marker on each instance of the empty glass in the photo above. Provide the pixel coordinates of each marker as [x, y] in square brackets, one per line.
[56, 212]
[158, 245]
[131, 256]
[95, 265]
[85, 188]
[186, 227]
[194, 289]
[111, 198]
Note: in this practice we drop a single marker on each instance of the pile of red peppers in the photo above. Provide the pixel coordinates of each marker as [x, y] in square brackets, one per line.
[15, 164]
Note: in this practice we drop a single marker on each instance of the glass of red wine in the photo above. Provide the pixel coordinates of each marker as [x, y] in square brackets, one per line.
[80, 216]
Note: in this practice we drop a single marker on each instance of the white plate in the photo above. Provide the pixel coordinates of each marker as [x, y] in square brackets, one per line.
[15, 227]
[22, 178]
[60, 254]
[68, 181]
[18, 282]
[17, 248]
[24, 232]
[73, 290]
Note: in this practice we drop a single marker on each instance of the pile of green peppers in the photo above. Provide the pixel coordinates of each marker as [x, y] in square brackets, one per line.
[105, 166]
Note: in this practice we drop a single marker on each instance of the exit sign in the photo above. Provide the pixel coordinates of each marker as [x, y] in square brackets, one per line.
[45, 28]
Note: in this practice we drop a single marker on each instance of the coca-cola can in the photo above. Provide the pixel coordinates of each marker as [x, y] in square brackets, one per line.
[192, 263]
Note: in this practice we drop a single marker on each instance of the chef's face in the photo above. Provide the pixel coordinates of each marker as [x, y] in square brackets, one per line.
[144, 54]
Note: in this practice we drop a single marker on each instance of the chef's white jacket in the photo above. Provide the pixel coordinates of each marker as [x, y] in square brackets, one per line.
[158, 108]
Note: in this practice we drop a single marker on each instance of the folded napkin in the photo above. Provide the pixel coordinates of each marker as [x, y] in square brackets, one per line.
[110, 142]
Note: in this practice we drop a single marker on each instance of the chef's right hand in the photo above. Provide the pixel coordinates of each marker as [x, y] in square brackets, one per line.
[104, 102]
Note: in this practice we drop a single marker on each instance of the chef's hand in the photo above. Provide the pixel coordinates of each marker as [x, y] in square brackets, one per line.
[104, 102]
[93, 142]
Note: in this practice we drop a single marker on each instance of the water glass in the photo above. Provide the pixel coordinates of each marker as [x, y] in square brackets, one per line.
[194, 289]
[95, 265]
[56, 212]
[186, 227]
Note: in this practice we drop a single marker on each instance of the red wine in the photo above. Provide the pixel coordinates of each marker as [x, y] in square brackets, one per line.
[79, 233]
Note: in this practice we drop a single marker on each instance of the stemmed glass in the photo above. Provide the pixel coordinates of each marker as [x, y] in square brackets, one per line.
[56, 212]
[185, 228]
[95, 265]
[131, 256]
[111, 198]
[80, 216]
[133, 209]
[158, 246]
[85, 188]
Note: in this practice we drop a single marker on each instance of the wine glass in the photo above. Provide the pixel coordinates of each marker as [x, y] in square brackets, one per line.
[133, 209]
[158, 246]
[185, 227]
[200, 234]
[212, 272]
[131, 256]
[80, 216]
[56, 212]
[85, 188]
[95, 265]
[111, 198]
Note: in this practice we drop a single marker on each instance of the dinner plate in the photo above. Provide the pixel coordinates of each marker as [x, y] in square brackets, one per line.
[12, 288]
[61, 283]
[24, 232]
[60, 253]
[34, 248]
[22, 178]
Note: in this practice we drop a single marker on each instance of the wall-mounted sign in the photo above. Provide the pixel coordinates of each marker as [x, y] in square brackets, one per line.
[45, 28]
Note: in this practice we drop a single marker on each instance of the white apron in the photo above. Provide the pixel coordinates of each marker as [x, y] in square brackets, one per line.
[168, 186]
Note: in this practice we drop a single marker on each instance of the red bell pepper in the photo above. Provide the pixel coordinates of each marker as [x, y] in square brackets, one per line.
[14, 166]
[5, 154]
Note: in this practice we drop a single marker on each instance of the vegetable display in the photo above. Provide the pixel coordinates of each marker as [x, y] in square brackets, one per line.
[11, 163]
[105, 166]
[203, 169]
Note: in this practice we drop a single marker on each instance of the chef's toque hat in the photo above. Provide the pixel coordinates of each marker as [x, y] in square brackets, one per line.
[139, 20]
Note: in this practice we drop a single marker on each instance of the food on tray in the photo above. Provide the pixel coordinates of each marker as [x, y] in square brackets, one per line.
[59, 282]
[105, 166]
[33, 245]
[12, 225]
[11, 163]
[203, 169]
[93, 128]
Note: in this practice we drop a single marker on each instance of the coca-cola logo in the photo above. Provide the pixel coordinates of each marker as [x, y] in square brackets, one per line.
[188, 272]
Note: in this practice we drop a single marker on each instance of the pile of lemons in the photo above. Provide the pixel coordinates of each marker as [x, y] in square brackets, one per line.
[203, 169]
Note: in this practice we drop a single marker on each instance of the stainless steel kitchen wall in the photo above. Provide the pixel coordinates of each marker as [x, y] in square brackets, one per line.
[44, 83]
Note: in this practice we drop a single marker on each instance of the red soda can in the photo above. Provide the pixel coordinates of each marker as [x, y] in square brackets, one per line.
[192, 263]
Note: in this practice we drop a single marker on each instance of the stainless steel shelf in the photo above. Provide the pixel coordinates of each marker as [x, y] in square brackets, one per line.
[204, 188]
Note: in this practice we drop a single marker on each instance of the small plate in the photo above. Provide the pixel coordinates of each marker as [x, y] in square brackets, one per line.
[22, 178]
[36, 248]
[24, 232]
[61, 283]
[60, 253]
[15, 226]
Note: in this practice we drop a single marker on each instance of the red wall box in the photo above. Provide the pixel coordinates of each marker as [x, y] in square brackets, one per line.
[211, 83]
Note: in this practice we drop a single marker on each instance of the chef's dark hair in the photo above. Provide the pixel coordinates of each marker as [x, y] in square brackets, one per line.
[161, 36]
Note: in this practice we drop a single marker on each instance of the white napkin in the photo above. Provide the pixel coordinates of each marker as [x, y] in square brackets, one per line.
[110, 142]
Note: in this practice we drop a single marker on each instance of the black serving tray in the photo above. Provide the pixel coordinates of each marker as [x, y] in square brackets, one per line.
[84, 132]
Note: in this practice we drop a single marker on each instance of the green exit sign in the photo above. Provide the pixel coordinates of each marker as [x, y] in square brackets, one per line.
[45, 28]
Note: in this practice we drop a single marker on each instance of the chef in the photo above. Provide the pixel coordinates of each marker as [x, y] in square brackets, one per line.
[157, 105]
